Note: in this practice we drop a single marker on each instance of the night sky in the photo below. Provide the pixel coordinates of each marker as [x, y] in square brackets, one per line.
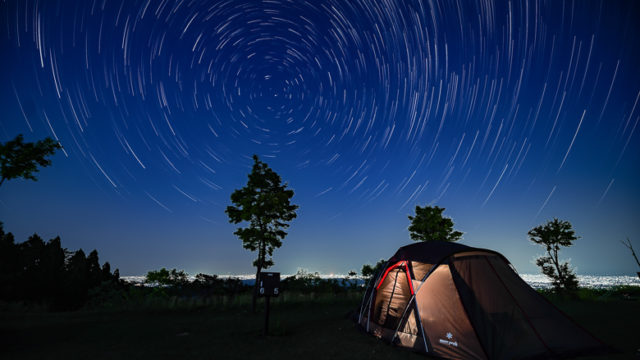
[507, 114]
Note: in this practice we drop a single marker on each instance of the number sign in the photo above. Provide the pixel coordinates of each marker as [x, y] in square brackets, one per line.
[269, 284]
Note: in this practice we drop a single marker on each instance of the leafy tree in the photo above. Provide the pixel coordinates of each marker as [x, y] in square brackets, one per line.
[369, 271]
[430, 225]
[20, 159]
[553, 235]
[166, 277]
[265, 204]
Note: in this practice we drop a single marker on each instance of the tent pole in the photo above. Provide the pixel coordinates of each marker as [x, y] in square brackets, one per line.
[377, 277]
[395, 334]
[364, 298]
[424, 334]
[419, 320]
[407, 271]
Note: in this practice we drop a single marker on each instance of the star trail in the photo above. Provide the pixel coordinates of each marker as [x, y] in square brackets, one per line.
[506, 113]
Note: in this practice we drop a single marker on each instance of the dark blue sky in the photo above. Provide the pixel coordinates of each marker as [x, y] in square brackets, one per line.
[505, 113]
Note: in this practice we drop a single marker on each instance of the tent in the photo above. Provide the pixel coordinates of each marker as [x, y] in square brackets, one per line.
[453, 301]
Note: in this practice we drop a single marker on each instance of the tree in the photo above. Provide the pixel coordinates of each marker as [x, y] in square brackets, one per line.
[430, 225]
[630, 247]
[77, 279]
[369, 271]
[166, 277]
[20, 159]
[9, 265]
[94, 272]
[265, 204]
[553, 235]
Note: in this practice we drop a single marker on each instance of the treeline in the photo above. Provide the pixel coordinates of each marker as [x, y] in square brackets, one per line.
[306, 283]
[176, 282]
[45, 274]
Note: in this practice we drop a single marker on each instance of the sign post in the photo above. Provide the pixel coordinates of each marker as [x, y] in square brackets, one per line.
[269, 285]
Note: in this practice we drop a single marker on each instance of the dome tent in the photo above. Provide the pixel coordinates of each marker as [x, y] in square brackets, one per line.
[454, 301]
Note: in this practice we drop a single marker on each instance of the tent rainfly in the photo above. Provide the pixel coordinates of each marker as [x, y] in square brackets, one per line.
[453, 301]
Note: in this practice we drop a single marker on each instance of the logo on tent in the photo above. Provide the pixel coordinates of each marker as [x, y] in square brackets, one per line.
[449, 341]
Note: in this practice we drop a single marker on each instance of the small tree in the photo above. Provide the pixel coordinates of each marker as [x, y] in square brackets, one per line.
[20, 159]
[166, 277]
[369, 271]
[552, 236]
[430, 225]
[630, 247]
[265, 204]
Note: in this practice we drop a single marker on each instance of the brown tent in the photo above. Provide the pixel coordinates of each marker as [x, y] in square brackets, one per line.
[453, 301]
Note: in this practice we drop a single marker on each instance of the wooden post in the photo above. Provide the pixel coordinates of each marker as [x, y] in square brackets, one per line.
[269, 283]
[266, 315]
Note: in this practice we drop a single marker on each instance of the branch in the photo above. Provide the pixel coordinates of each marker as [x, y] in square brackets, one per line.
[630, 247]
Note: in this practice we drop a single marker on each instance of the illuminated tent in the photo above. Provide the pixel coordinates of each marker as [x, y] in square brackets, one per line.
[453, 301]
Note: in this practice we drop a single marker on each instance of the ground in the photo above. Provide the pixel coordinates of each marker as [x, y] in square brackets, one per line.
[305, 330]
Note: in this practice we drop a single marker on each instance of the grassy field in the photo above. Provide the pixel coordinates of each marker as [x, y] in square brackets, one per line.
[319, 329]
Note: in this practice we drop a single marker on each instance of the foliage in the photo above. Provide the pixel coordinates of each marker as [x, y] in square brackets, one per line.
[20, 159]
[265, 204]
[369, 271]
[302, 281]
[553, 235]
[305, 282]
[166, 277]
[429, 225]
[39, 272]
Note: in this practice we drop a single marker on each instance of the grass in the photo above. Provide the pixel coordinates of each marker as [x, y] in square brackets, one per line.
[616, 322]
[313, 328]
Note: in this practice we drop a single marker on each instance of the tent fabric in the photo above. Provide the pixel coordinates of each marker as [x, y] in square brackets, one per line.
[446, 325]
[431, 252]
[458, 302]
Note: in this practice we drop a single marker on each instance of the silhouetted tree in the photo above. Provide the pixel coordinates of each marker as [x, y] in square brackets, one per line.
[552, 235]
[94, 272]
[32, 274]
[106, 272]
[9, 265]
[163, 276]
[53, 267]
[77, 284]
[20, 159]
[265, 204]
[630, 247]
[46, 273]
[430, 225]
[369, 271]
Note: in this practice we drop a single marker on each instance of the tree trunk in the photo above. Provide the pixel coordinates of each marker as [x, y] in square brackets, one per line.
[261, 256]
[630, 246]
[556, 263]
[562, 276]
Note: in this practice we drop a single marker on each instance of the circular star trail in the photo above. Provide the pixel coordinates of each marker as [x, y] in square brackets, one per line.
[390, 103]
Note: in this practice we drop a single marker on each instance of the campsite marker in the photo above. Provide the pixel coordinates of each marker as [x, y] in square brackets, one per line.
[269, 286]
